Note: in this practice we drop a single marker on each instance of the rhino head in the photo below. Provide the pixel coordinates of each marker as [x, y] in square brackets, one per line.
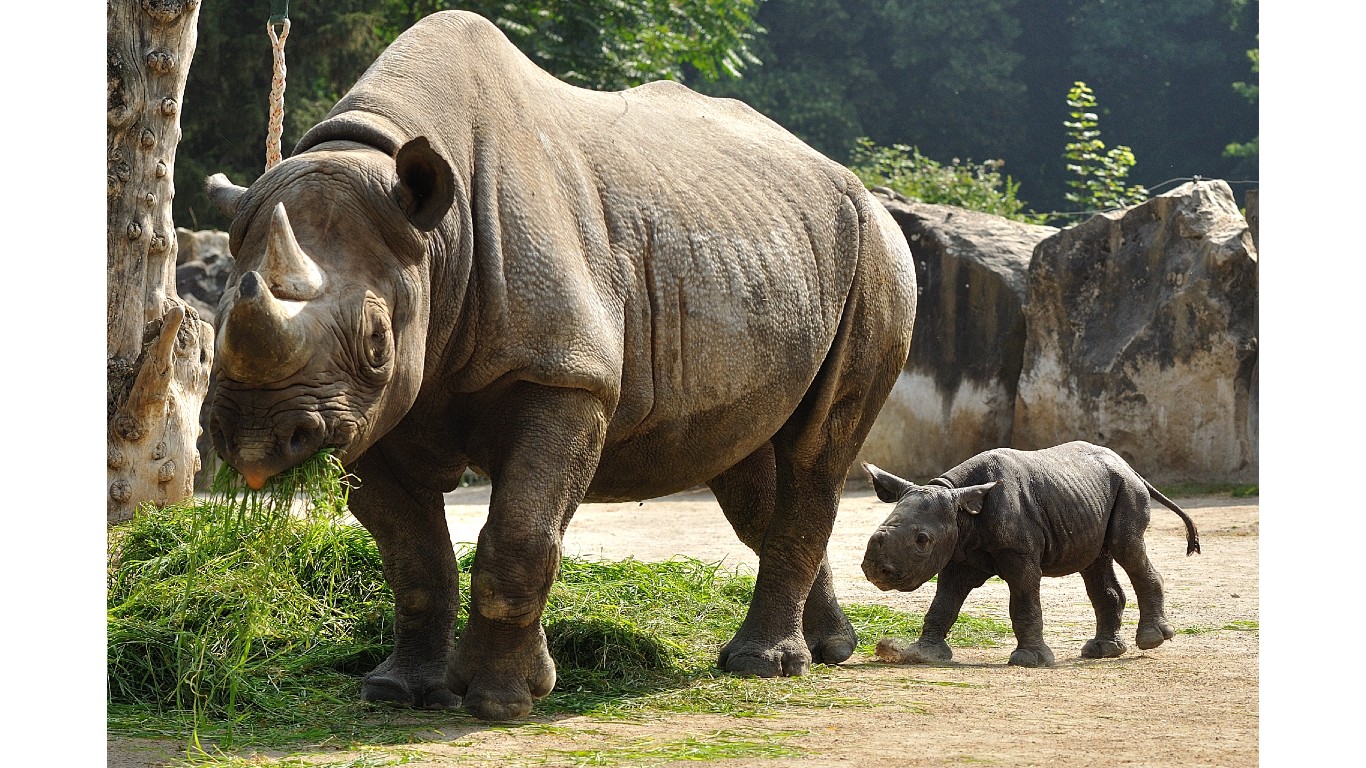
[919, 537]
[322, 326]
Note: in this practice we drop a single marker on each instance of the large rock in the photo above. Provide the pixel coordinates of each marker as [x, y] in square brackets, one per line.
[1142, 336]
[956, 396]
[203, 263]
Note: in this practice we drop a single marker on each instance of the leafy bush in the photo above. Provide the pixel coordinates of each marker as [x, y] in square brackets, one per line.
[904, 170]
[1100, 178]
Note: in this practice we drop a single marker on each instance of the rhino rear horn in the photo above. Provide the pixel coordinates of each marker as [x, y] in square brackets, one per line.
[289, 272]
[426, 184]
[224, 195]
[261, 340]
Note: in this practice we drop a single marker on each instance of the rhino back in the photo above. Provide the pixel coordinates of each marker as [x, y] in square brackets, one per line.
[1056, 502]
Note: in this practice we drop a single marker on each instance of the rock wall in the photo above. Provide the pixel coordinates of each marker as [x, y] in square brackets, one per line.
[956, 396]
[1141, 334]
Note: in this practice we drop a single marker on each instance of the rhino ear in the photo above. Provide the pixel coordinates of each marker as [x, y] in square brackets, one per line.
[426, 184]
[224, 195]
[971, 499]
[889, 487]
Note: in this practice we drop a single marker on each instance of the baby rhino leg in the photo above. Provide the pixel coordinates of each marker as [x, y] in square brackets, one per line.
[1128, 549]
[1107, 597]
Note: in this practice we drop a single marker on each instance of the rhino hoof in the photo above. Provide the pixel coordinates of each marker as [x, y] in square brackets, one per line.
[1038, 656]
[1109, 648]
[385, 689]
[776, 662]
[1153, 635]
[831, 650]
[486, 705]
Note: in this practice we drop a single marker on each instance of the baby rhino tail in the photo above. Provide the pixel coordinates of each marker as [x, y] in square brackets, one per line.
[1192, 537]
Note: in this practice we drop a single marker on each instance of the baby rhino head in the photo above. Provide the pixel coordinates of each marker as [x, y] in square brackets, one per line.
[918, 538]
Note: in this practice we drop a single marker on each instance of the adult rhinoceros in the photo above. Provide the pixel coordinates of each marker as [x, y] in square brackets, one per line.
[586, 296]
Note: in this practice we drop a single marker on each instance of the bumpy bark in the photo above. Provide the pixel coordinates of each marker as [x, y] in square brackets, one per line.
[159, 349]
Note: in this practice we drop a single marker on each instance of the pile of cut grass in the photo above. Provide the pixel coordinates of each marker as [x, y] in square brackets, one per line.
[252, 616]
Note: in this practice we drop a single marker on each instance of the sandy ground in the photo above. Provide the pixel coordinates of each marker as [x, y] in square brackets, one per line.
[1191, 702]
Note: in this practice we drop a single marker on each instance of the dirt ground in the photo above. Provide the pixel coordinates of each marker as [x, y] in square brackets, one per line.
[1191, 702]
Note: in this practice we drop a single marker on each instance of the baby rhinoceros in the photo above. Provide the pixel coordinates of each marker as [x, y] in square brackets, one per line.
[1022, 515]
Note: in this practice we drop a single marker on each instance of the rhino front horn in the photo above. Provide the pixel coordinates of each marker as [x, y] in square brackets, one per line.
[290, 273]
[262, 341]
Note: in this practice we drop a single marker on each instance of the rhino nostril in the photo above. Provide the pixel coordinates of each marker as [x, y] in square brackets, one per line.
[307, 436]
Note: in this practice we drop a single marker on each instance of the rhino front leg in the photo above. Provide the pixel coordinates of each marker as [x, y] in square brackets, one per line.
[546, 448]
[747, 493]
[1107, 597]
[409, 526]
[951, 589]
[1023, 575]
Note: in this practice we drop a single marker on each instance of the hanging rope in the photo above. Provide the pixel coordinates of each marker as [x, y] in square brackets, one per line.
[279, 16]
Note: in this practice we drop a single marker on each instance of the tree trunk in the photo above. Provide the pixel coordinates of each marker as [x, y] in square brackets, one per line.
[159, 349]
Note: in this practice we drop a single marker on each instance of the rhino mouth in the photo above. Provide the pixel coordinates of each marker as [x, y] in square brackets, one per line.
[262, 448]
[888, 578]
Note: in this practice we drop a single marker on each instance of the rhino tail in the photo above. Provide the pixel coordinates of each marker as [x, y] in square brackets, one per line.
[1192, 536]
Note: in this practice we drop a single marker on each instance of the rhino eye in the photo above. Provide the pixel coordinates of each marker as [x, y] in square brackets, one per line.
[922, 538]
[377, 344]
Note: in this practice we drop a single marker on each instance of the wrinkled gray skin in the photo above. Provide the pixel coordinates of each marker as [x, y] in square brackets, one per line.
[585, 296]
[1023, 515]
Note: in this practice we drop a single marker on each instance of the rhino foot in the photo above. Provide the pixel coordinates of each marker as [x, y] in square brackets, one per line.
[894, 651]
[503, 684]
[832, 647]
[386, 685]
[1106, 648]
[1033, 656]
[749, 659]
[1154, 634]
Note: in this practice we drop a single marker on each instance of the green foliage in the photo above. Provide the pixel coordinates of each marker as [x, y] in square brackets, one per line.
[613, 44]
[963, 184]
[1249, 91]
[1100, 173]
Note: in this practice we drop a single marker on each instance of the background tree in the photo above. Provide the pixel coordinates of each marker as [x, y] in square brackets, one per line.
[986, 80]
[159, 351]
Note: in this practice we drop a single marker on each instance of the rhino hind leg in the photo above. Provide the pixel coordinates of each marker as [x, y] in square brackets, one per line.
[747, 494]
[1107, 598]
[1131, 552]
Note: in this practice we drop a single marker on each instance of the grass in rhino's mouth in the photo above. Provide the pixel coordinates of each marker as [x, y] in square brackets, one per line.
[248, 618]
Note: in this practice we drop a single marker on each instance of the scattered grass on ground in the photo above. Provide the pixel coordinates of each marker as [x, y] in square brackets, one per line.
[247, 620]
[1232, 626]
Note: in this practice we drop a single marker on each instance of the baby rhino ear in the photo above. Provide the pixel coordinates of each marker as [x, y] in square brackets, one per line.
[970, 499]
[889, 487]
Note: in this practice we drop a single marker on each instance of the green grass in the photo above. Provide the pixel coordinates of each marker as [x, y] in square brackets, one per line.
[1188, 490]
[247, 619]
